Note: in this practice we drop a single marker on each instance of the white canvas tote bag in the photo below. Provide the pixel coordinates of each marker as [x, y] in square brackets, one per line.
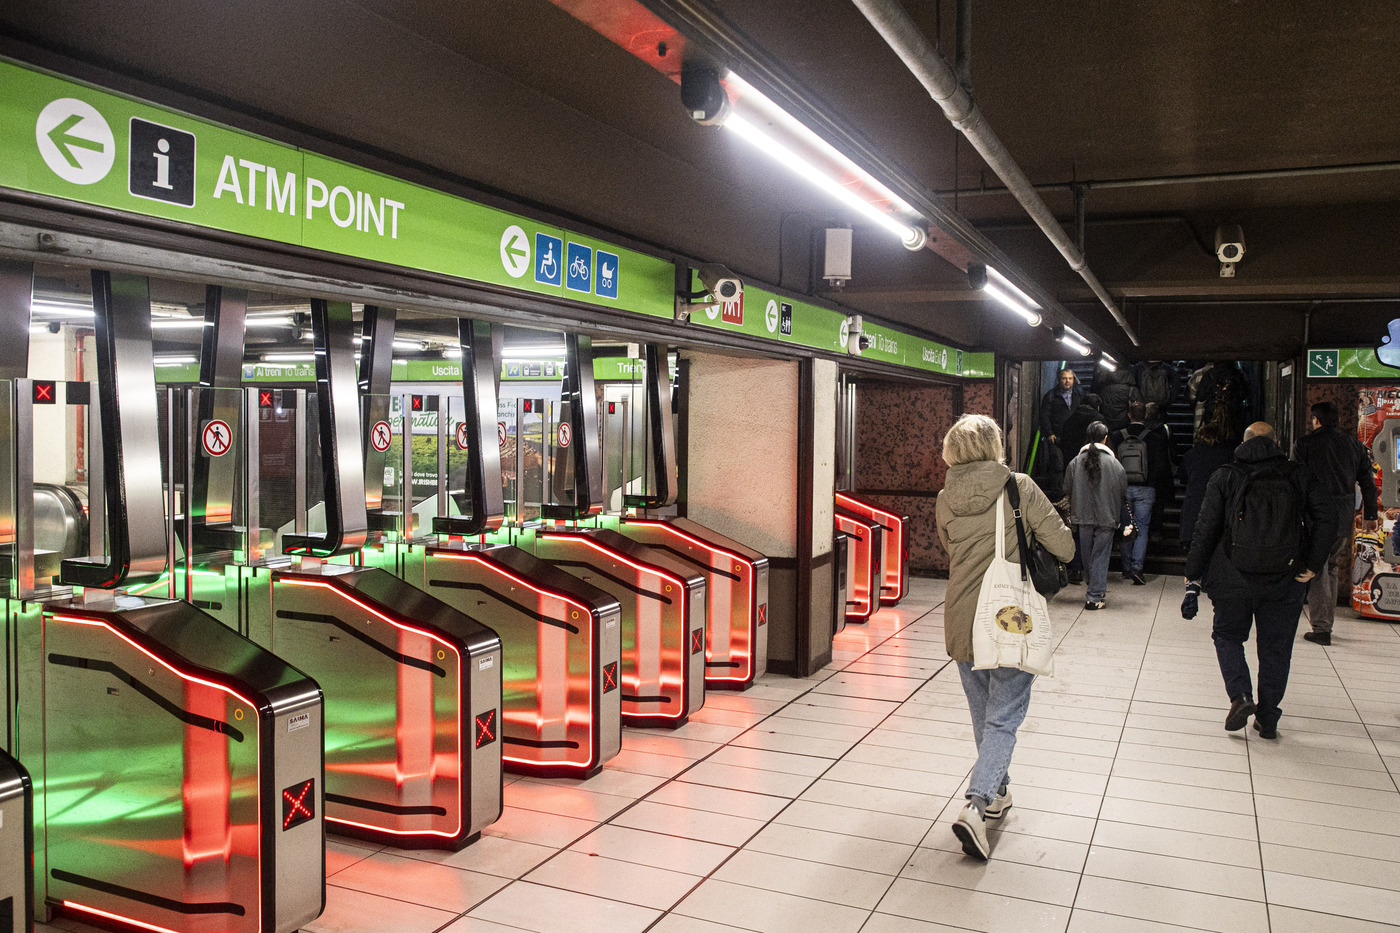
[1012, 624]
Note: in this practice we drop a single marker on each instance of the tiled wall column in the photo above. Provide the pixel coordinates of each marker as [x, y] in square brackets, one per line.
[760, 443]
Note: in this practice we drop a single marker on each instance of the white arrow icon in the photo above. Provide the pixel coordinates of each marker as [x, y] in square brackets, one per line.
[75, 141]
[515, 251]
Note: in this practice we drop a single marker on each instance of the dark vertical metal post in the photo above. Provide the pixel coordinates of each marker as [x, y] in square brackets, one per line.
[578, 393]
[338, 409]
[16, 296]
[212, 492]
[661, 433]
[376, 372]
[481, 373]
[130, 435]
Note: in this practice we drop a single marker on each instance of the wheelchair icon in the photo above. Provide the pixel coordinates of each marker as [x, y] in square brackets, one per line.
[549, 266]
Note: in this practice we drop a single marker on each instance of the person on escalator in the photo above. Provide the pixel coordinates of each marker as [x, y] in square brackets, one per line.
[1147, 467]
[1057, 404]
[1072, 433]
[1097, 486]
[1202, 460]
[1117, 391]
[997, 698]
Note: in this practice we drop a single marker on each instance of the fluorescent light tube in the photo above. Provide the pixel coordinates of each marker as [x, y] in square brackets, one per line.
[1032, 318]
[1073, 344]
[911, 237]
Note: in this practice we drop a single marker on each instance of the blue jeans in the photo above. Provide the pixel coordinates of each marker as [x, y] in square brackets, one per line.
[1096, 547]
[997, 699]
[1139, 504]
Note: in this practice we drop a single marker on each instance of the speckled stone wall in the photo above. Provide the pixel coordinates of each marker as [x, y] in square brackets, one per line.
[899, 440]
[742, 439]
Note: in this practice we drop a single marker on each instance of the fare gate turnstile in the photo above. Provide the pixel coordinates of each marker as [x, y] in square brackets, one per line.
[894, 549]
[413, 685]
[862, 563]
[16, 847]
[560, 696]
[183, 770]
[413, 703]
[663, 619]
[736, 595]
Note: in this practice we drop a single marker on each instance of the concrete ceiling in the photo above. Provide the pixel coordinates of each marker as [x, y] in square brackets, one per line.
[517, 98]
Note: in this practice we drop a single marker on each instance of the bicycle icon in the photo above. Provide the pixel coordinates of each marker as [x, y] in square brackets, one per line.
[578, 269]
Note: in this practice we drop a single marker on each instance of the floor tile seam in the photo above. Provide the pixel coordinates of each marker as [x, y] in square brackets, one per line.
[791, 801]
[1327, 653]
[674, 778]
[456, 915]
[1261, 900]
[1146, 645]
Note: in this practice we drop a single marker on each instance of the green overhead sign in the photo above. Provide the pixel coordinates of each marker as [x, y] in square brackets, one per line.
[72, 141]
[69, 140]
[1349, 363]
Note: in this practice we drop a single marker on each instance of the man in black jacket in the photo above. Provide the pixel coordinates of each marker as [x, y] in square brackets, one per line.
[1143, 488]
[1273, 600]
[1056, 405]
[1339, 463]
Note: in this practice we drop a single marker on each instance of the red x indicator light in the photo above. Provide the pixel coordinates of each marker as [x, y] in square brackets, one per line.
[416, 402]
[697, 641]
[486, 728]
[763, 614]
[298, 804]
[610, 677]
[264, 398]
[45, 392]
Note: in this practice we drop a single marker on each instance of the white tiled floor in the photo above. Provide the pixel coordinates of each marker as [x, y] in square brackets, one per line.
[824, 804]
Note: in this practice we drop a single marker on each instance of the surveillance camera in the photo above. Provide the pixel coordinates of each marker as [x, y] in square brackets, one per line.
[703, 97]
[720, 282]
[1229, 247]
[853, 336]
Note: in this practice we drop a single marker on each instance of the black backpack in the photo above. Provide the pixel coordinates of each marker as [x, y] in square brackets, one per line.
[1132, 453]
[1264, 527]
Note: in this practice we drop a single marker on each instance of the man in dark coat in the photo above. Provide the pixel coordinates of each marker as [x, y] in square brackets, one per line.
[1073, 433]
[1271, 601]
[1057, 404]
[1339, 463]
[1117, 390]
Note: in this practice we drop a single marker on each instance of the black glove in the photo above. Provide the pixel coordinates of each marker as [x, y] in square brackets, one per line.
[1191, 605]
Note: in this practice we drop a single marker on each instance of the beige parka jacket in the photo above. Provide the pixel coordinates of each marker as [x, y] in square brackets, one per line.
[966, 516]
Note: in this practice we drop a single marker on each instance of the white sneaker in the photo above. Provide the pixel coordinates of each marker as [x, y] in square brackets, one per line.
[997, 807]
[971, 830]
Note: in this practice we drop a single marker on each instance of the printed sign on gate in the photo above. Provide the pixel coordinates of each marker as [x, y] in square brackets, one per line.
[462, 436]
[501, 433]
[216, 438]
[566, 434]
[380, 436]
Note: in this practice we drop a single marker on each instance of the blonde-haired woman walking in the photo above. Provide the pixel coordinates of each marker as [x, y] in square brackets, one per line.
[966, 516]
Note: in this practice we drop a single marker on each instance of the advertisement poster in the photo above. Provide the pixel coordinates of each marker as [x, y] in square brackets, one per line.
[1375, 567]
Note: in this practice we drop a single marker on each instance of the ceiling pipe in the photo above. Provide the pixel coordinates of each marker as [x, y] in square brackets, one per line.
[908, 42]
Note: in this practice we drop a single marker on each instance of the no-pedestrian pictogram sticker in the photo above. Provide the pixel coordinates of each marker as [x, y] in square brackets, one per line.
[216, 438]
[380, 435]
[566, 434]
[501, 433]
[462, 436]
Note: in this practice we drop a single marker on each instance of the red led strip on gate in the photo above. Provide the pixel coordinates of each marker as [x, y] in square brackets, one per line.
[870, 598]
[898, 524]
[417, 631]
[753, 593]
[102, 623]
[642, 568]
[118, 917]
[587, 613]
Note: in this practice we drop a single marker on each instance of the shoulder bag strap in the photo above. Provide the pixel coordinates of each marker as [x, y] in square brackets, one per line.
[1022, 547]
